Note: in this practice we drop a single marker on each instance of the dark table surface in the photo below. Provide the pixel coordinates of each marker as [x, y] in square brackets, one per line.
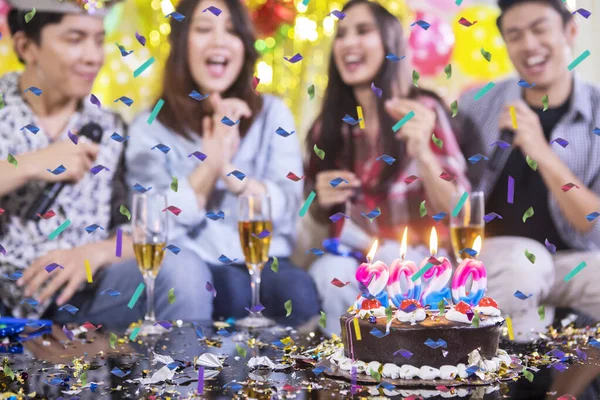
[51, 366]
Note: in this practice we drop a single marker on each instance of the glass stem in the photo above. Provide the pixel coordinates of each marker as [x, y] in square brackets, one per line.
[255, 285]
[150, 300]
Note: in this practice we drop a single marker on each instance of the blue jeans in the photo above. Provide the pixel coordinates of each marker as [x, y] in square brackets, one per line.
[232, 283]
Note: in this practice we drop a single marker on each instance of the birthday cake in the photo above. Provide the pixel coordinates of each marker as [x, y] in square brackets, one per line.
[407, 324]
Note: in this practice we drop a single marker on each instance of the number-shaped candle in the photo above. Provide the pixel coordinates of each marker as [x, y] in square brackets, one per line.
[474, 268]
[436, 278]
[374, 276]
[400, 273]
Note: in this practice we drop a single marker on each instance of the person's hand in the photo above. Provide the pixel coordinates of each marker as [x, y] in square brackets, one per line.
[77, 160]
[529, 135]
[327, 195]
[71, 277]
[417, 131]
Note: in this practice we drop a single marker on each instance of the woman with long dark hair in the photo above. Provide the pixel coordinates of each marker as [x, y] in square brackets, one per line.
[214, 55]
[360, 74]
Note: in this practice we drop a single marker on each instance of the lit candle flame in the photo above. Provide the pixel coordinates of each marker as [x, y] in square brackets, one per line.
[477, 245]
[433, 242]
[403, 245]
[372, 252]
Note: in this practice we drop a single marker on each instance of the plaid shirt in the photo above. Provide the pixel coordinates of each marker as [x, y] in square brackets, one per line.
[581, 155]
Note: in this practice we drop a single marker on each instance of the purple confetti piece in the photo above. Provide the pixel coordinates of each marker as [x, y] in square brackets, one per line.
[2, 250]
[377, 333]
[139, 188]
[125, 100]
[409, 308]
[561, 142]
[470, 314]
[439, 216]
[165, 324]
[70, 335]
[404, 353]
[74, 138]
[225, 260]
[58, 170]
[583, 12]
[119, 243]
[558, 366]
[210, 288]
[238, 174]
[123, 50]
[524, 84]
[551, 248]
[255, 309]
[282, 132]
[51, 267]
[592, 216]
[337, 216]
[491, 216]
[423, 24]
[297, 57]
[200, 156]
[501, 143]
[389, 160]
[353, 386]
[393, 57]
[522, 296]
[556, 353]
[229, 122]
[69, 308]
[378, 92]
[118, 138]
[95, 101]
[200, 380]
[172, 248]
[265, 233]
[371, 215]
[476, 158]
[34, 90]
[217, 216]
[141, 39]
[164, 148]
[176, 16]
[95, 170]
[349, 120]
[581, 354]
[338, 14]
[335, 182]
[197, 96]
[213, 10]
[510, 196]
[31, 128]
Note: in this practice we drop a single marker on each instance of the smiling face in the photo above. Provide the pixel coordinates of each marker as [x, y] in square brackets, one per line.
[538, 42]
[358, 48]
[216, 52]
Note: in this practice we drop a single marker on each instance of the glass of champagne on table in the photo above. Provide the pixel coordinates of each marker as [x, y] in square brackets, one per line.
[149, 241]
[468, 224]
[255, 228]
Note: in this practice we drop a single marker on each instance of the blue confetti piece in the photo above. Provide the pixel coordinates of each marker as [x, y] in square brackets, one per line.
[592, 216]
[238, 174]
[439, 216]
[523, 83]
[233, 386]
[423, 24]
[389, 160]
[213, 10]
[172, 248]
[30, 301]
[469, 251]
[69, 308]
[123, 50]
[164, 148]
[51, 267]
[337, 216]
[404, 353]
[296, 58]
[522, 296]
[476, 158]
[349, 120]
[92, 228]
[338, 14]
[58, 170]
[372, 215]
[229, 122]
[120, 373]
[335, 182]
[315, 251]
[140, 38]
[436, 344]
[387, 386]
[551, 248]
[596, 131]
[14, 276]
[377, 333]
[472, 369]
[393, 57]
[501, 143]
[282, 132]
[175, 15]
[95, 170]
[31, 128]
[34, 90]
[118, 138]
[111, 292]
[199, 330]
[125, 100]
[491, 216]
[199, 155]
[223, 332]
[594, 343]
[197, 96]
[139, 188]
[217, 216]
[561, 142]
[225, 260]
[264, 234]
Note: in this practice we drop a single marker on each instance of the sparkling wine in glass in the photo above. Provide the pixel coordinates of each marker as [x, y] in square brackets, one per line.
[468, 224]
[255, 227]
[149, 241]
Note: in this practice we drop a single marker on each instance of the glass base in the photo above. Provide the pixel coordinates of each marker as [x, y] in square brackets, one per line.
[147, 328]
[255, 320]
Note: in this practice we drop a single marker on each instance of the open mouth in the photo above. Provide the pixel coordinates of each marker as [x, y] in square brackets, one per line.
[536, 64]
[353, 61]
[217, 66]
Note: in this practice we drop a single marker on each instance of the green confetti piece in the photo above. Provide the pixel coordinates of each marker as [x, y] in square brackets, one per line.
[459, 2]
[12, 160]
[159, 105]
[125, 211]
[415, 78]
[174, 184]
[575, 271]
[438, 142]
[448, 71]
[542, 312]
[442, 308]
[420, 272]
[1, 101]
[483, 91]
[403, 121]
[59, 230]
[113, 340]
[388, 313]
[545, 102]
[475, 320]
[323, 320]
[83, 378]
[375, 375]
[423, 209]
[172, 297]
[140, 70]
[530, 256]
[578, 60]
[275, 265]
[528, 214]
[288, 308]
[307, 203]
[134, 333]
[29, 16]
[460, 204]
[527, 374]
[136, 295]
[320, 153]
[311, 91]
[486, 54]
[9, 372]
[241, 351]
[532, 164]
[454, 108]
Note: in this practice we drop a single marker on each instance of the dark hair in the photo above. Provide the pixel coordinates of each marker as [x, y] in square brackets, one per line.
[558, 5]
[33, 28]
[181, 112]
[339, 100]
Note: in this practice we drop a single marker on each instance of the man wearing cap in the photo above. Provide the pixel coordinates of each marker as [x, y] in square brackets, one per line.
[62, 48]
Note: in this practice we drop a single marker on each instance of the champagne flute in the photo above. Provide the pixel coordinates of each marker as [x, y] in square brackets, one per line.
[468, 224]
[149, 241]
[255, 227]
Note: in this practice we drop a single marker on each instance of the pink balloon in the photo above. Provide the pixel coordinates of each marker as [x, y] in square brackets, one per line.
[4, 8]
[431, 49]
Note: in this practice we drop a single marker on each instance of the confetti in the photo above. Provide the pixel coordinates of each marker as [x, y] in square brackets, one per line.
[377, 333]
[528, 375]
[134, 333]
[31, 128]
[264, 234]
[423, 24]
[119, 243]
[320, 153]
[1, 101]
[583, 12]
[159, 105]
[288, 308]
[311, 91]
[215, 216]
[349, 120]
[541, 312]
[172, 248]
[476, 158]
[475, 321]
[59, 230]
[296, 58]
[51, 267]
[404, 353]
[74, 138]
[410, 179]
[361, 119]
[58, 170]
[213, 10]
[335, 182]
[545, 102]
[136, 295]
[71, 309]
[378, 92]
[197, 96]
[338, 14]
[229, 122]
[439, 216]
[422, 209]
[123, 50]
[174, 184]
[532, 164]
[175, 210]
[436, 344]
[491, 216]
[293, 177]
[469, 251]
[3, 251]
[372, 214]
[524, 84]
[528, 214]
[200, 156]
[118, 372]
[448, 177]
[125, 100]
[579, 60]
[389, 160]
[118, 138]
[483, 91]
[307, 202]
[454, 108]
[323, 320]
[356, 328]
[581, 354]
[34, 90]
[511, 334]
[283, 133]
[139, 188]
[141, 39]
[95, 101]
[171, 296]
[568, 186]
[403, 121]
[242, 352]
[551, 248]
[393, 57]
[486, 54]
[177, 16]
[522, 296]
[140, 70]
[420, 272]
[225, 260]
[438, 142]
[69, 334]
[255, 82]
[592, 216]
[338, 283]
[575, 271]
[88, 271]
[460, 204]
[111, 292]
[96, 169]
[12, 160]
[465, 22]
[315, 251]
[238, 174]
[513, 117]
[275, 265]
[501, 143]
[448, 71]
[510, 195]
[29, 16]
[125, 211]
[415, 78]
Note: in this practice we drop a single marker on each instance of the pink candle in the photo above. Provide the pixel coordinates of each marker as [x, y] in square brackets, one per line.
[478, 274]
[437, 277]
[374, 276]
[402, 271]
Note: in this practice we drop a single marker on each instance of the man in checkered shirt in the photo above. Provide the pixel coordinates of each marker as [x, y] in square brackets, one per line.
[554, 132]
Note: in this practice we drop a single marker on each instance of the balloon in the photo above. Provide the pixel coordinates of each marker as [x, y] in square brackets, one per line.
[4, 8]
[482, 35]
[431, 49]
[271, 15]
[446, 5]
